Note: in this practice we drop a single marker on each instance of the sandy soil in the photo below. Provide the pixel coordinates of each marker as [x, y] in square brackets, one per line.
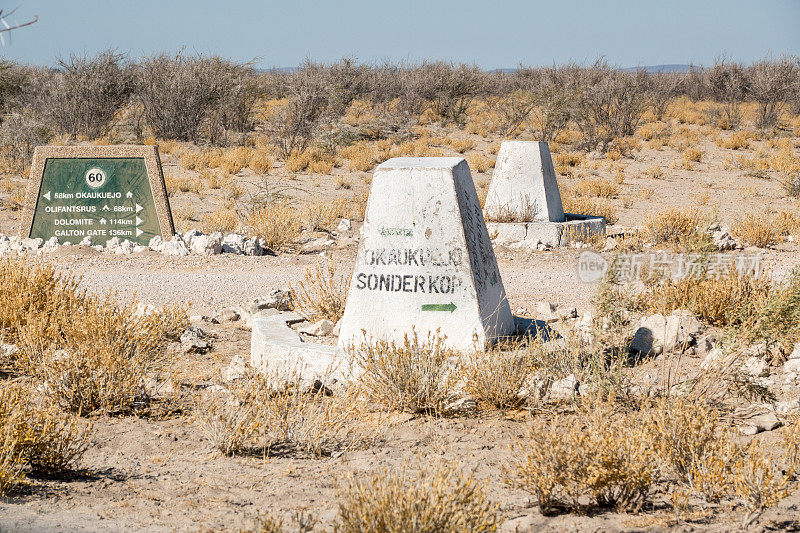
[161, 474]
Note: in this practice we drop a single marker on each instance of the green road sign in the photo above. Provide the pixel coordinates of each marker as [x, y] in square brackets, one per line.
[439, 307]
[98, 197]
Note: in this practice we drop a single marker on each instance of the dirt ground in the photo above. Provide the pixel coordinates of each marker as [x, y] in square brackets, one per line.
[162, 474]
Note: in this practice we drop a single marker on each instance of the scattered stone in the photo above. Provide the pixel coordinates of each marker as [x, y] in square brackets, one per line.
[344, 225]
[206, 244]
[545, 309]
[193, 341]
[154, 388]
[714, 358]
[320, 328]
[755, 419]
[755, 366]
[659, 334]
[337, 328]
[792, 366]
[280, 299]
[460, 405]
[788, 407]
[8, 350]
[611, 244]
[235, 369]
[724, 241]
[565, 388]
[567, 313]
[228, 314]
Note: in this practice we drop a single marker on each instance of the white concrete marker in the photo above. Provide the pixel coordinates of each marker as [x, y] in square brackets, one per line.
[425, 260]
[524, 186]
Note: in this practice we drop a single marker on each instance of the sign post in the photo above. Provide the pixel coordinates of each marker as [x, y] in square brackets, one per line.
[100, 192]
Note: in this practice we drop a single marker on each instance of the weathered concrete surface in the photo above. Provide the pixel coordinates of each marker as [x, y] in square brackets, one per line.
[425, 262]
[554, 234]
[524, 186]
[275, 347]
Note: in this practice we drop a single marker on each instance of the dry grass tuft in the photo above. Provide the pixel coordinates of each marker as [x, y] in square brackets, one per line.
[761, 231]
[223, 219]
[94, 353]
[414, 376]
[581, 205]
[674, 226]
[276, 413]
[598, 187]
[321, 293]
[599, 458]
[36, 437]
[479, 162]
[442, 498]
[499, 378]
[278, 224]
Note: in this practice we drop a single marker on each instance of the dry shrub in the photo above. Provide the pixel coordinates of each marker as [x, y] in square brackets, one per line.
[413, 376]
[38, 438]
[314, 160]
[599, 457]
[739, 140]
[223, 219]
[654, 172]
[685, 434]
[323, 216]
[278, 224]
[692, 155]
[567, 163]
[277, 413]
[321, 293]
[674, 226]
[581, 205]
[182, 184]
[525, 212]
[757, 230]
[462, 145]
[361, 156]
[599, 187]
[15, 192]
[442, 498]
[260, 163]
[723, 299]
[499, 378]
[94, 353]
[479, 162]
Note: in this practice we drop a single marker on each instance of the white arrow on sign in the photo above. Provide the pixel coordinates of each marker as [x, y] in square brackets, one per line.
[47, 195]
[105, 207]
[129, 194]
[102, 221]
[138, 221]
[138, 208]
[138, 232]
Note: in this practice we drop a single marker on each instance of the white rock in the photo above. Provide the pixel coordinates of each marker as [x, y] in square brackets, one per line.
[280, 299]
[233, 243]
[206, 245]
[156, 243]
[344, 225]
[337, 328]
[796, 352]
[755, 366]
[713, 359]
[87, 241]
[175, 247]
[565, 388]
[658, 333]
[792, 366]
[545, 309]
[190, 235]
[8, 350]
[235, 369]
[787, 407]
[320, 328]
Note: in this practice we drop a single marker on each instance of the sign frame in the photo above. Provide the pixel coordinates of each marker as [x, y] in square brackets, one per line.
[152, 161]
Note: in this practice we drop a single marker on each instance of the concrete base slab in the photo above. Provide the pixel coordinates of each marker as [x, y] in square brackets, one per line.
[529, 235]
[275, 347]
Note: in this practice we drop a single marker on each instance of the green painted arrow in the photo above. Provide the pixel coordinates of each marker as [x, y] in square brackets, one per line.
[439, 307]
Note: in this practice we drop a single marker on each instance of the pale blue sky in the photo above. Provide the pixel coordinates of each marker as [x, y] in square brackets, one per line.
[491, 33]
